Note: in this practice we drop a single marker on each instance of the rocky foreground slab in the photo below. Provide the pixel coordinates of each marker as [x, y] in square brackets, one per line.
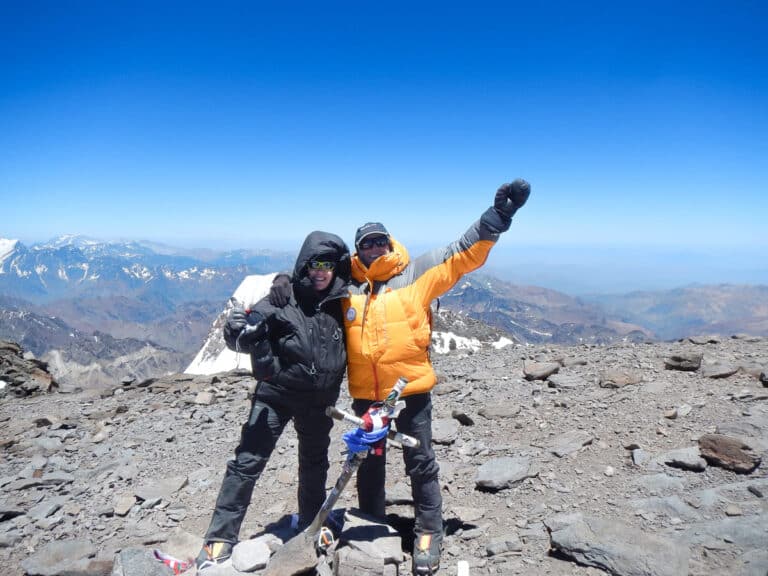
[630, 459]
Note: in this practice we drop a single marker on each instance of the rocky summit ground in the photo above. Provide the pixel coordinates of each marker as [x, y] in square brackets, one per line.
[630, 459]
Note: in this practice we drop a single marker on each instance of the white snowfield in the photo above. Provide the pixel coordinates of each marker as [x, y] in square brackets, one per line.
[215, 357]
[6, 248]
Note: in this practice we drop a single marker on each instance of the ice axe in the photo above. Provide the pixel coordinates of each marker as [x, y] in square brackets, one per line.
[298, 555]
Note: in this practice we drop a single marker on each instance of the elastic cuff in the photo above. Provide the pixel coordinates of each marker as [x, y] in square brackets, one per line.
[495, 221]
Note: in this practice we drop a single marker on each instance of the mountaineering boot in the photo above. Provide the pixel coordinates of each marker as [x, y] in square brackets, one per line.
[213, 553]
[426, 554]
[335, 522]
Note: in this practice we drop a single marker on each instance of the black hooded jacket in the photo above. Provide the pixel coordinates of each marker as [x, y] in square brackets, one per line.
[307, 336]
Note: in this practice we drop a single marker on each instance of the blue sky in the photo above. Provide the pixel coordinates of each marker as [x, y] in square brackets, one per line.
[642, 127]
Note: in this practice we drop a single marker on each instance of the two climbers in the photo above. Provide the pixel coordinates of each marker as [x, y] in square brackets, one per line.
[386, 314]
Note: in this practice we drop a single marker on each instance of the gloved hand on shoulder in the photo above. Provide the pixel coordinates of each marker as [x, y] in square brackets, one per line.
[281, 290]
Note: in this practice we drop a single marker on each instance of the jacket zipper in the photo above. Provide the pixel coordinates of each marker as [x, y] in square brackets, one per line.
[362, 331]
[375, 382]
[318, 309]
[312, 369]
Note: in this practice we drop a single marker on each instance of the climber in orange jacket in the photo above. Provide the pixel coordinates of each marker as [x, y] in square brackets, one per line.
[387, 324]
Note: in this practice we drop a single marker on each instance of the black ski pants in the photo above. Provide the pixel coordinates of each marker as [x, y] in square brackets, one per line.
[258, 438]
[420, 465]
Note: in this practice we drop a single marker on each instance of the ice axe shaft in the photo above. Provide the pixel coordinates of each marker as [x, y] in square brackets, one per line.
[298, 555]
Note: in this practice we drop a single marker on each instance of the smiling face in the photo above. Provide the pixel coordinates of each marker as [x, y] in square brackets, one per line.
[320, 273]
[371, 247]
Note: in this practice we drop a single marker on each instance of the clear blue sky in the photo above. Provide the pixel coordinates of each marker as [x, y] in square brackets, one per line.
[249, 124]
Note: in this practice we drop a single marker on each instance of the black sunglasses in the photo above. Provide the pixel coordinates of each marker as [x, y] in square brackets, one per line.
[368, 243]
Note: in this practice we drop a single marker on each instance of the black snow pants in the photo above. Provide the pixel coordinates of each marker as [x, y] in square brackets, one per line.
[259, 435]
[420, 465]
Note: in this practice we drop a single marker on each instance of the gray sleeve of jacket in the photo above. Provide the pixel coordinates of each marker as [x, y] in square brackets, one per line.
[489, 227]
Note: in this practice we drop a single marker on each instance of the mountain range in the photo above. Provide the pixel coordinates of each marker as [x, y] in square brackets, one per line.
[75, 266]
[79, 303]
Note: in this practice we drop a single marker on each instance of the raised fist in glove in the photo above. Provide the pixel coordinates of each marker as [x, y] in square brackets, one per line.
[511, 196]
[281, 290]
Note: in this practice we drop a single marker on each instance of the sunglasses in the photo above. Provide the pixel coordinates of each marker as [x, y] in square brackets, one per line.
[317, 265]
[368, 243]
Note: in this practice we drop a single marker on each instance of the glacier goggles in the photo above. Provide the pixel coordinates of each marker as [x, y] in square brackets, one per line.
[321, 265]
[378, 241]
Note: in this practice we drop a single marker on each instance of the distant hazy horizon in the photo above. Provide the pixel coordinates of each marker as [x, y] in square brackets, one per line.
[573, 269]
[584, 270]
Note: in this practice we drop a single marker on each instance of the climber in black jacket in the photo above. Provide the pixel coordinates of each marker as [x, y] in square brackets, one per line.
[299, 358]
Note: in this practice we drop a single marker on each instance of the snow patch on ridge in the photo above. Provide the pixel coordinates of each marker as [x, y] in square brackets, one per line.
[502, 343]
[444, 342]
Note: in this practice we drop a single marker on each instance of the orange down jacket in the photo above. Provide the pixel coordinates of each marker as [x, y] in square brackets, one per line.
[387, 317]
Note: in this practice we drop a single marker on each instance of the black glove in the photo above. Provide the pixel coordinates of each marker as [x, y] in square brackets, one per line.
[280, 293]
[243, 330]
[236, 321]
[511, 196]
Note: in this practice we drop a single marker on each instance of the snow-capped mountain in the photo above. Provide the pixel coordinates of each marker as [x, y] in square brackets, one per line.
[71, 266]
[7, 247]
